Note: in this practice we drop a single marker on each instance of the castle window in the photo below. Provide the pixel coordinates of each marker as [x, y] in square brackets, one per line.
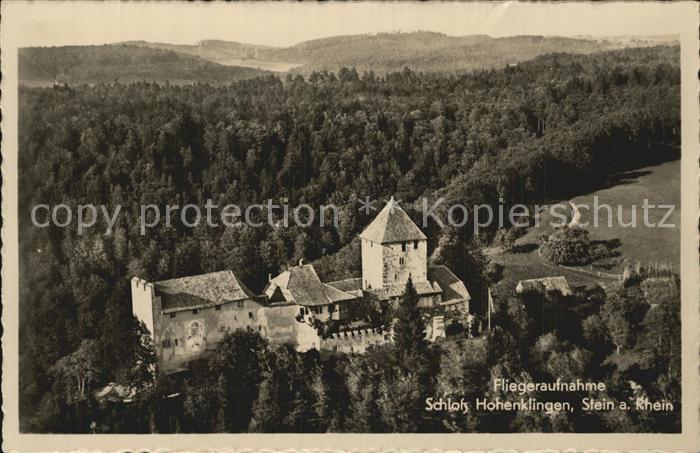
[403, 246]
[166, 343]
[239, 304]
[217, 308]
[172, 315]
[195, 311]
[415, 244]
[401, 261]
[331, 308]
[250, 315]
[176, 342]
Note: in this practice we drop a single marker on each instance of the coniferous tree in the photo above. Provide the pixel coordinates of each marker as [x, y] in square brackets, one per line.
[409, 329]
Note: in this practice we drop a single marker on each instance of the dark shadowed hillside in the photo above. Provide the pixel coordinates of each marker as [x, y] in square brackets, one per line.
[123, 63]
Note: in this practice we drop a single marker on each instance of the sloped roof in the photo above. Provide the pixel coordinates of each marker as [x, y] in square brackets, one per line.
[349, 285]
[546, 283]
[392, 224]
[301, 284]
[453, 289]
[201, 291]
[423, 288]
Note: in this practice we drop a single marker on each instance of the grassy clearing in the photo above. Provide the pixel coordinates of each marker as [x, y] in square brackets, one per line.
[659, 184]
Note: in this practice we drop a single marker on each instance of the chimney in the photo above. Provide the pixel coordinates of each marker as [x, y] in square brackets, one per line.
[301, 262]
[269, 277]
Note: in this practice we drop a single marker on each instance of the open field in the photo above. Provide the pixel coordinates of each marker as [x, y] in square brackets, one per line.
[659, 184]
[265, 65]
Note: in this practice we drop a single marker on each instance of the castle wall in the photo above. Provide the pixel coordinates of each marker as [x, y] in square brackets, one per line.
[398, 265]
[282, 327]
[184, 335]
[341, 311]
[188, 335]
[142, 302]
[372, 271]
[354, 341]
[428, 301]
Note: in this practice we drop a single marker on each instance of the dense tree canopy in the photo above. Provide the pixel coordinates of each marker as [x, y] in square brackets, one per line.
[548, 127]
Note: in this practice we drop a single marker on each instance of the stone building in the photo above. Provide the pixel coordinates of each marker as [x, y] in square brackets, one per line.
[545, 284]
[188, 315]
[301, 285]
[394, 249]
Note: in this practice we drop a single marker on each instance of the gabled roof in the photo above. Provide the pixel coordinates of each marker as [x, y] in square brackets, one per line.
[301, 285]
[453, 289]
[547, 284]
[392, 224]
[201, 290]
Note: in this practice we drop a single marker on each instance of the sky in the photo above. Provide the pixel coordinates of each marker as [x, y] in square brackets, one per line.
[283, 24]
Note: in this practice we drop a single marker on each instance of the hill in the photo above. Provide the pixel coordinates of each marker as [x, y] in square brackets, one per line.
[387, 52]
[227, 53]
[220, 62]
[123, 63]
[427, 52]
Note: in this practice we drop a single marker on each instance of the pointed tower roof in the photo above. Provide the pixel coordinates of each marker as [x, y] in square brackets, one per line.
[392, 224]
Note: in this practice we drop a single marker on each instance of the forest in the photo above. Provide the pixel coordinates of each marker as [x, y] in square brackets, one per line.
[547, 128]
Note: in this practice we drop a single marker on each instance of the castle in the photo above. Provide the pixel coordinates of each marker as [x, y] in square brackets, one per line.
[188, 315]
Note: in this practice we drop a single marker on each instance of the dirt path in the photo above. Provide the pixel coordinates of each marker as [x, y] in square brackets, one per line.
[576, 216]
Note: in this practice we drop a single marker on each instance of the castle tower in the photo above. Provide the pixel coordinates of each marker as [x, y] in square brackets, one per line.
[144, 303]
[393, 249]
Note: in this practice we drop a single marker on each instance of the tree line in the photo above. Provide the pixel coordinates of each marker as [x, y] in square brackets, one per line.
[247, 385]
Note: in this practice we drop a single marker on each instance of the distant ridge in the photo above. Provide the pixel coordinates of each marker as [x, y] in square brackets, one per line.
[217, 61]
[123, 63]
[387, 52]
